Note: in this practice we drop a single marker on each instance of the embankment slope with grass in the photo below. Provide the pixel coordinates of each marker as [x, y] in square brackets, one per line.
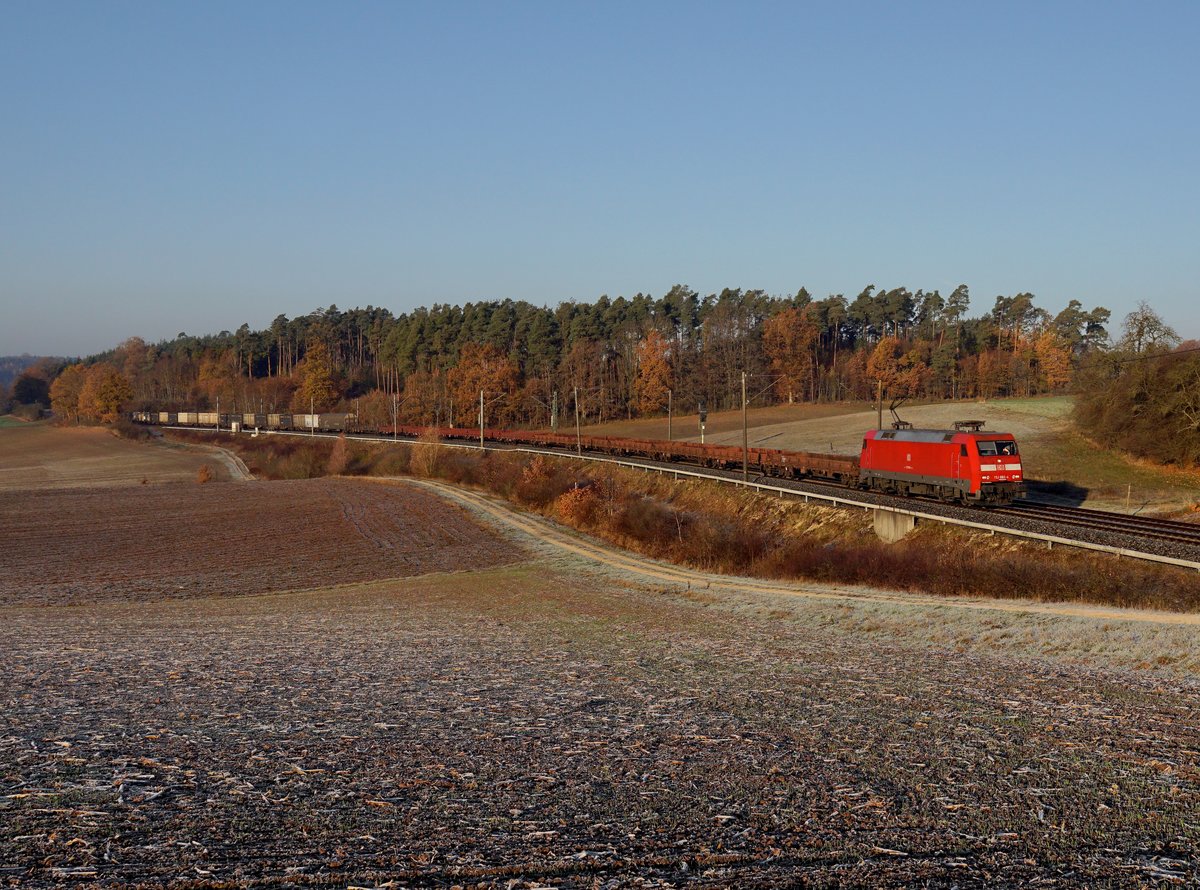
[714, 527]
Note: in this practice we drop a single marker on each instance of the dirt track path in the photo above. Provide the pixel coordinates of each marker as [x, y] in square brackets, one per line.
[544, 531]
[238, 471]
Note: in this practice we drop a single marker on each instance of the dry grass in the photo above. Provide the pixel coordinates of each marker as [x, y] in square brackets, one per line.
[687, 426]
[41, 455]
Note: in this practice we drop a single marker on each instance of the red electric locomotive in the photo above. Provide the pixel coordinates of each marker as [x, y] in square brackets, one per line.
[963, 464]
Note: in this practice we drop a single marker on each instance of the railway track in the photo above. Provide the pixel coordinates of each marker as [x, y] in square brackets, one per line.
[1121, 523]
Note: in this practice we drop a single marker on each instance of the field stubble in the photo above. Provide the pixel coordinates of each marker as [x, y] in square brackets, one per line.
[151, 542]
[506, 724]
[529, 722]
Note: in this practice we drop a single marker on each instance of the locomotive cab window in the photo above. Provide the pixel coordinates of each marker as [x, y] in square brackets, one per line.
[997, 447]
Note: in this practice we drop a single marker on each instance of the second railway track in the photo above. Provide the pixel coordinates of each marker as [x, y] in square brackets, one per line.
[1137, 526]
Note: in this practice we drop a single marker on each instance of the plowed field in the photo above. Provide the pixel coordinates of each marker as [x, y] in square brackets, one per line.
[41, 456]
[170, 541]
[506, 726]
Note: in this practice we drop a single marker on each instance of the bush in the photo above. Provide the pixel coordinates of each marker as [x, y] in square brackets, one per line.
[339, 457]
[127, 429]
[648, 522]
[426, 453]
[543, 482]
[388, 460]
[577, 506]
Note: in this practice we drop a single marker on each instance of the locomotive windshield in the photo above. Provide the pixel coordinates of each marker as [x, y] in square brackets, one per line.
[999, 446]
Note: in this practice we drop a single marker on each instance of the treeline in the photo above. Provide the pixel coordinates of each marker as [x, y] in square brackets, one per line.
[620, 357]
[1143, 395]
[25, 383]
[11, 367]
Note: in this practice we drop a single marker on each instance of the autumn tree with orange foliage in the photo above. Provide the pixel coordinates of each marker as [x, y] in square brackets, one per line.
[653, 381]
[789, 341]
[317, 389]
[1053, 360]
[994, 373]
[218, 376]
[104, 393]
[424, 395]
[481, 368]
[894, 371]
[65, 390]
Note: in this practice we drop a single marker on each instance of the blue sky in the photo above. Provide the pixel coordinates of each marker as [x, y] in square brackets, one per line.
[171, 167]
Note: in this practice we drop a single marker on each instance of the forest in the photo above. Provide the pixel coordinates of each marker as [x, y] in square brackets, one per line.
[1143, 395]
[617, 357]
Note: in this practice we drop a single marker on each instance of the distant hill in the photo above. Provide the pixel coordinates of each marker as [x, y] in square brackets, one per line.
[12, 365]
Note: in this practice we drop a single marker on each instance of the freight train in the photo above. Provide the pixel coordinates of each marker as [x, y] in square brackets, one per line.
[334, 423]
[964, 464]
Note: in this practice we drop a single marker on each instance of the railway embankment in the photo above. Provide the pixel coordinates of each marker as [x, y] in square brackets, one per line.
[705, 525]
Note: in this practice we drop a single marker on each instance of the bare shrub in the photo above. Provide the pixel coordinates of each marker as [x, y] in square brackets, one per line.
[647, 522]
[204, 474]
[339, 457]
[426, 454]
[499, 471]
[125, 428]
[543, 482]
[537, 470]
[713, 542]
[455, 467]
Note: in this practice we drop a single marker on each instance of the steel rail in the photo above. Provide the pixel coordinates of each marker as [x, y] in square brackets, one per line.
[840, 500]
[1166, 529]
